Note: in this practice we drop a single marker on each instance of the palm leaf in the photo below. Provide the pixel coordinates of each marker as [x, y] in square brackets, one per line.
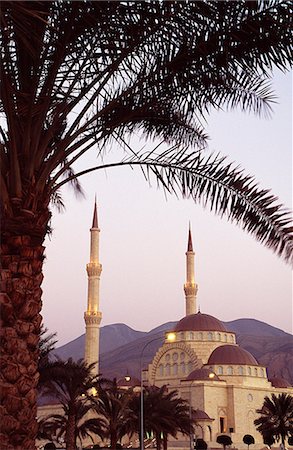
[221, 186]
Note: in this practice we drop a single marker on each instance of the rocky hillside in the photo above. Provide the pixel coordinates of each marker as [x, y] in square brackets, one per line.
[121, 347]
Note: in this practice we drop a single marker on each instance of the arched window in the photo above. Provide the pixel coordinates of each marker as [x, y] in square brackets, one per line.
[218, 336]
[175, 369]
[220, 370]
[262, 373]
[189, 366]
[240, 370]
[182, 368]
[232, 338]
[182, 356]
[167, 370]
[255, 371]
[182, 335]
[161, 370]
[191, 337]
[167, 357]
[225, 337]
[200, 336]
[230, 370]
[210, 336]
[249, 370]
[175, 356]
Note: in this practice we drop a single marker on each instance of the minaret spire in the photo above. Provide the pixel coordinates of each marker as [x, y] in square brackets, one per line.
[190, 287]
[95, 216]
[93, 316]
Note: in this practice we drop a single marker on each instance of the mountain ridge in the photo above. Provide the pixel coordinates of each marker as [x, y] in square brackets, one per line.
[121, 347]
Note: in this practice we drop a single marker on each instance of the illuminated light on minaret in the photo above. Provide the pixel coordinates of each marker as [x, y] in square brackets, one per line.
[190, 287]
[93, 316]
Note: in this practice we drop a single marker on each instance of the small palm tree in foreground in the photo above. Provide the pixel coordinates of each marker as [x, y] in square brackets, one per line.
[165, 413]
[54, 426]
[276, 417]
[71, 383]
[113, 404]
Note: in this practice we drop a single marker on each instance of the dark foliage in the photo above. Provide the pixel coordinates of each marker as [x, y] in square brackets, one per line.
[248, 439]
[77, 75]
[224, 440]
[276, 417]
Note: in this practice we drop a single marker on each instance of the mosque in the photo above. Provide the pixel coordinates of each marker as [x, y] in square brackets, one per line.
[223, 382]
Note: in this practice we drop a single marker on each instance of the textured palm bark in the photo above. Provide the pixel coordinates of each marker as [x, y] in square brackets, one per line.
[21, 278]
[70, 438]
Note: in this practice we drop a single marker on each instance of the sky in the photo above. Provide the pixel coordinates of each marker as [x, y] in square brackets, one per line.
[143, 239]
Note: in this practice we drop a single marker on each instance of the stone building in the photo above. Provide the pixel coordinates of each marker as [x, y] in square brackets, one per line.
[223, 382]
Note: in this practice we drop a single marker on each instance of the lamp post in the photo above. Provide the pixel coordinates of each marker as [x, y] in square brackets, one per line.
[170, 337]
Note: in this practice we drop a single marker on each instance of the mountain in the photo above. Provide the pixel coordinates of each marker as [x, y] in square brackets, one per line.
[121, 347]
[111, 336]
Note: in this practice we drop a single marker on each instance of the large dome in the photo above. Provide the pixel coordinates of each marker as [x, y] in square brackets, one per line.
[231, 354]
[199, 322]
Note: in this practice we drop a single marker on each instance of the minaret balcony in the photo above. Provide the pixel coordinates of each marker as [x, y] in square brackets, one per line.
[92, 317]
[190, 289]
[94, 269]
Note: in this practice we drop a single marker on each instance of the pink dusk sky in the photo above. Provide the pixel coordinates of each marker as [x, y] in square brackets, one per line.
[143, 238]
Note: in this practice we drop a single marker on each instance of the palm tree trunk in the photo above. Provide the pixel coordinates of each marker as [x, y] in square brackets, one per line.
[158, 441]
[113, 439]
[70, 438]
[20, 297]
[165, 441]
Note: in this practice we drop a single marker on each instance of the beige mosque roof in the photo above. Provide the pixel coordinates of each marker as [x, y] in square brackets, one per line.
[198, 414]
[231, 354]
[199, 322]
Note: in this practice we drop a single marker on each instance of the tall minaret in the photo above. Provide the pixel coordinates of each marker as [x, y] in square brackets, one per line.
[190, 287]
[93, 316]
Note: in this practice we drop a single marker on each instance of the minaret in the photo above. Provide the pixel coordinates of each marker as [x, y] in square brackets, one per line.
[190, 287]
[93, 316]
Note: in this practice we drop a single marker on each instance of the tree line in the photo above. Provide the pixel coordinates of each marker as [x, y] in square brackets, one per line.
[100, 409]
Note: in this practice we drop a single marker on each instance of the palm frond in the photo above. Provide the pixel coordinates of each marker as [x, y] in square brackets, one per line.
[221, 186]
[153, 67]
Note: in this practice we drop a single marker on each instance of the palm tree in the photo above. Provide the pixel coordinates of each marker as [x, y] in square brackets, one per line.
[113, 404]
[76, 76]
[165, 413]
[72, 384]
[46, 345]
[54, 426]
[276, 417]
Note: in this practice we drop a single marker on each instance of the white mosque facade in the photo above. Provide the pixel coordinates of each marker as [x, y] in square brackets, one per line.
[224, 383]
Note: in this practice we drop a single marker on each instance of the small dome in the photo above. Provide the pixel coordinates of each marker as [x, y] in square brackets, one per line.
[231, 354]
[202, 375]
[198, 414]
[128, 381]
[279, 382]
[199, 322]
